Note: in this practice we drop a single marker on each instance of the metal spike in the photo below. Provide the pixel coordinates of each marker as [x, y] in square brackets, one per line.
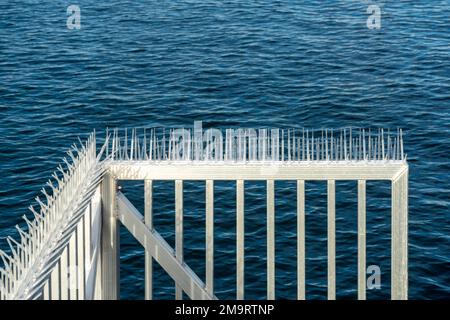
[23, 234]
[18, 245]
[31, 226]
[350, 141]
[364, 144]
[47, 196]
[133, 134]
[401, 145]
[11, 246]
[144, 146]
[82, 145]
[50, 184]
[37, 216]
[6, 264]
[44, 206]
[64, 173]
[72, 156]
[307, 146]
[60, 182]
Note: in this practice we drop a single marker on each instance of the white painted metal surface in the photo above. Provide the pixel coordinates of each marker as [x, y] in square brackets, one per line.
[395, 170]
[178, 231]
[142, 170]
[399, 254]
[209, 236]
[240, 233]
[75, 233]
[46, 257]
[331, 243]
[110, 240]
[270, 240]
[148, 217]
[73, 266]
[361, 239]
[301, 249]
[64, 274]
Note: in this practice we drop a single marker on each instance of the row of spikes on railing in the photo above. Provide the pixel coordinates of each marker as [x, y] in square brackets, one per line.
[237, 145]
[27, 256]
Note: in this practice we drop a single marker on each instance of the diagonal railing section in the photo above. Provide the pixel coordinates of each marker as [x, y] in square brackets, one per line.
[52, 237]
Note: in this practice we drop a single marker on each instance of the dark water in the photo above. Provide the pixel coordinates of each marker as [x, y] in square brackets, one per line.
[238, 63]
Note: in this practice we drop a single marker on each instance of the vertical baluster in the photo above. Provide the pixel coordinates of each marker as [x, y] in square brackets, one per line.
[301, 240]
[87, 220]
[46, 290]
[210, 237]
[80, 259]
[64, 275]
[55, 287]
[73, 268]
[240, 239]
[331, 241]
[270, 240]
[148, 195]
[179, 230]
[361, 239]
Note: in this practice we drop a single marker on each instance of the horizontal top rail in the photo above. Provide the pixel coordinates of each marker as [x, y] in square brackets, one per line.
[166, 170]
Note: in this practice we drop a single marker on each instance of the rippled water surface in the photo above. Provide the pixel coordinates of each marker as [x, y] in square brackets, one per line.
[238, 63]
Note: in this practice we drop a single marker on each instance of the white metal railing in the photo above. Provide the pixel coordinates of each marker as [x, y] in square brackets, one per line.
[52, 259]
[270, 155]
[83, 229]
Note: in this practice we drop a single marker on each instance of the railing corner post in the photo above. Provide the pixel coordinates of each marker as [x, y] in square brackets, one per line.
[399, 254]
[110, 265]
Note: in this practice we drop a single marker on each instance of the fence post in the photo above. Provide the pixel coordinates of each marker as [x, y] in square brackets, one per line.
[110, 240]
[148, 216]
[301, 240]
[270, 240]
[179, 231]
[240, 239]
[331, 240]
[209, 236]
[399, 254]
[361, 239]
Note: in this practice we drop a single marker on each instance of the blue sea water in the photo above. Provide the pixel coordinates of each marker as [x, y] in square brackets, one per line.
[238, 63]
